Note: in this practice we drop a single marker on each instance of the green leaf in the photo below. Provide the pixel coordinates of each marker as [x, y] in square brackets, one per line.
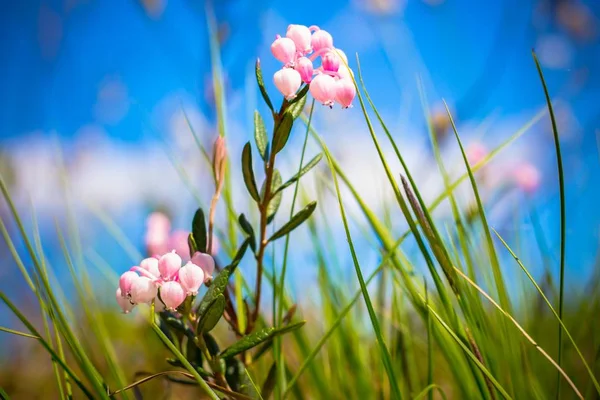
[298, 103]
[296, 220]
[261, 85]
[311, 164]
[269, 383]
[193, 353]
[275, 197]
[211, 344]
[260, 135]
[249, 230]
[212, 315]
[248, 172]
[282, 132]
[192, 244]
[199, 230]
[219, 284]
[256, 338]
[237, 378]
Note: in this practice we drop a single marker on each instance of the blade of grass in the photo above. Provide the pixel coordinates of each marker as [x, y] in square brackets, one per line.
[563, 213]
[557, 315]
[523, 332]
[386, 359]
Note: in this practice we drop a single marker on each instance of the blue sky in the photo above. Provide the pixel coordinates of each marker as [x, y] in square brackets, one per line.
[117, 69]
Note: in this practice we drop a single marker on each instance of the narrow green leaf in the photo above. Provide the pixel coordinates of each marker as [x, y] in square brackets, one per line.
[282, 132]
[260, 135]
[298, 103]
[261, 85]
[256, 338]
[270, 381]
[211, 344]
[248, 172]
[563, 213]
[212, 315]
[275, 201]
[193, 353]
[247, 227]
[199, 230]
[310, 165]
[296, 220]
[192, 243]
[219, 284]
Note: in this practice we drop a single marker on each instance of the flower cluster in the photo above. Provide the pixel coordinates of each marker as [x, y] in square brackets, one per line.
[298, 50]
[164, 277]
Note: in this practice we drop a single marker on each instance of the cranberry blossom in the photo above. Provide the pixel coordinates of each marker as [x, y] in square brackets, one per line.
[330, 83]
[164, 281]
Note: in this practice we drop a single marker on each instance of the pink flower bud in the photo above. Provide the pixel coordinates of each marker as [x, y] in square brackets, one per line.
[206, 262]
[476, 152]
[305, 68]
[345, 92]
[345, 72]
[323, 88]
[151, 265]
[284, 50]
[300, 34]
[321, 40]
[179, 242]
[158, 220]
[330, 61]
[143, 290]
[124, 302]
[527, 177]
[168, 265]
[287, 81]
[126, 281]
[341, 54]
[172, 294]
[157, 240]
[191, 277]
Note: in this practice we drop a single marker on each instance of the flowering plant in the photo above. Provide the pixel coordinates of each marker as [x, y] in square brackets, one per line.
[172, 287]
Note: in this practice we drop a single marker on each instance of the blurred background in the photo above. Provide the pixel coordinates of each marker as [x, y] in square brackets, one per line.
[105, 92]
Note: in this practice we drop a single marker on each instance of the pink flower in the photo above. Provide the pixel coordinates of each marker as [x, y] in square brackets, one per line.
[300, 34]
[179, 241]
[288, 82]
[284, 49]
[345, 92]
[323, 89]
[126, 281]
[305, 68]
[158, 220]
[321, 40]
[476, 152]
[527, 177]
[151, 265]
[172, 295]
[345, 72]
[168, 265]
[206, 262]
[124, 302]
[143, 290]
[191, 277]
[341, 54]
[330, 61]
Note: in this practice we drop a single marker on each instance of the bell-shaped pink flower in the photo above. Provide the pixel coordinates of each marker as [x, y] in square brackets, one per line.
[301, 36]
[345, 72]
[150, 264]
[305, 68]
[158, 220]
[476, 152]
[284, 49]
[345, 92]
[172, 294]
[330, 61]
[206, 262]
[341, 55]
[323, 88]
[321, 40]
[179, 242]
[157, 233]
[124, 302]
[126, 281]
[287, 81]
[168, 265]
[191, 278]
[143, 290]
[527, 177]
